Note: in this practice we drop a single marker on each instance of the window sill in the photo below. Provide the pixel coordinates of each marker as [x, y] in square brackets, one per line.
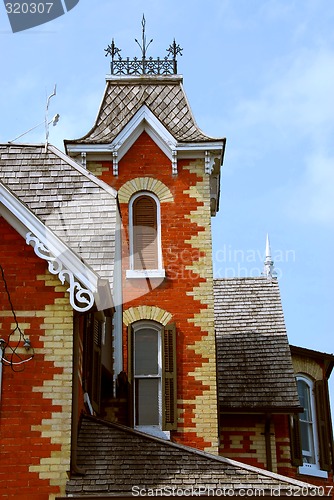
[312, 470]
[153, 430]
[145, 273]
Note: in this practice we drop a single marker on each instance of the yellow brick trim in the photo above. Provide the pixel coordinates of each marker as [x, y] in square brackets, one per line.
[307, 366]
[206, 403]
[96, 168]
[145, 184]
[257, 443]
[57, 337]
[146, 312]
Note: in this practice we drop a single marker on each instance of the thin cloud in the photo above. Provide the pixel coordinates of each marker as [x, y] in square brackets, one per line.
[297, 97]
[312, 199]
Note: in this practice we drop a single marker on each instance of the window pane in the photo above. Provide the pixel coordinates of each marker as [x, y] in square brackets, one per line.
[305, 435]
[147, 401]
[304, 398]
[306, 423]
[146, 352]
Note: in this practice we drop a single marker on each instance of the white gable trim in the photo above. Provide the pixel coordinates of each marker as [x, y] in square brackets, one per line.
[28, 225]
[144, 119]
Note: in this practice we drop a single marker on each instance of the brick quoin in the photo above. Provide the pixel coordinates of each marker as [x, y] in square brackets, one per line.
[145, 159]
[21, 408]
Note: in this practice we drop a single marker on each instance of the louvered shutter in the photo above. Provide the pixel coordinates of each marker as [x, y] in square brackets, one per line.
[130, 377]
[169, 393]
[295, 441]
[145, 244]
[322, 410]
[96, 369]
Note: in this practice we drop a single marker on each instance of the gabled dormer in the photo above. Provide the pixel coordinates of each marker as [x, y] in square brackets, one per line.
[146, 144]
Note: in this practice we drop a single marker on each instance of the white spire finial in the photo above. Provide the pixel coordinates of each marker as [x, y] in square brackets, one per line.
[268, 263]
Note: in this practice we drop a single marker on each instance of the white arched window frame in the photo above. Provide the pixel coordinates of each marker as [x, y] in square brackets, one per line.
[147, 373]
[309, 428]
[147, 369]
[159, 272]
[152, 377]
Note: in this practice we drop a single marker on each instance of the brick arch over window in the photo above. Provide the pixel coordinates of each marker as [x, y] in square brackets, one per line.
[146, 312]
[307, 367]
[145, 184]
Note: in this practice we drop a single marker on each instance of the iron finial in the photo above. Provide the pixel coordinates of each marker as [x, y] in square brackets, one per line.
[174, 50]
[143, 66]
[112, 50]
[143, 45]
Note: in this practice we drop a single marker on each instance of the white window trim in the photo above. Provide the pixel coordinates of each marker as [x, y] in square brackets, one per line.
[154, 430]
[145, 273]
[312, 469]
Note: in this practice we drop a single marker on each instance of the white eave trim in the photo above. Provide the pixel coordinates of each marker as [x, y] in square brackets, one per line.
[25, 222]
[144, 119]
[180, 147]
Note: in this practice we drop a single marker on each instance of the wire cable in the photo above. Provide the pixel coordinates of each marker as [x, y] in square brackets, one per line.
[13, 354]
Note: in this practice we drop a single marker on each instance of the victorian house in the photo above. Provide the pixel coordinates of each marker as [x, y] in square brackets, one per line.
[127, 369]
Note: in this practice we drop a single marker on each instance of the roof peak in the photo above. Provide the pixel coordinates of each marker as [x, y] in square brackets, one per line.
[143, 65]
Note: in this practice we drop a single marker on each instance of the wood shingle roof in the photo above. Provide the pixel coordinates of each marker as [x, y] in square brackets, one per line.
[165, 98]
[76, 206]
[117, 459]
[253, 356]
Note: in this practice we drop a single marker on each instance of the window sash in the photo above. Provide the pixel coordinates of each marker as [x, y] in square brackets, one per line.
[167, 401]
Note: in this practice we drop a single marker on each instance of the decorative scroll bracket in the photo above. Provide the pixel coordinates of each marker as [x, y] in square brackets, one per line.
[83, 160]
[81, 299]
[115, 163]
[174, 162]
[209, 162]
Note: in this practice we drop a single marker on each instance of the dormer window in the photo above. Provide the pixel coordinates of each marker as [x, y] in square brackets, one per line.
[313, 428]
[145, 236]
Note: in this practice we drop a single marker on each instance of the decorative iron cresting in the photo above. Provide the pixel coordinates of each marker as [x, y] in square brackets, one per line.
[143, 66]
[81, 299]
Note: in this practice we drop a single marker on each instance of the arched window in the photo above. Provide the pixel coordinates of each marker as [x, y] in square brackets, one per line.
[307, 420]
[147, 371]
[152, 375]
[145, 235]
[314, 431]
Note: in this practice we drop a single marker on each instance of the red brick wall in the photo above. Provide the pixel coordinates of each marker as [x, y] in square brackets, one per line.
[283, 458]
[242, 438]
[145, 159]
[23, 408]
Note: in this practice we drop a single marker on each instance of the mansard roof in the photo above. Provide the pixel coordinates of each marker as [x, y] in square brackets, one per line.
[254, 362]
[116, 459]
[70, 211]
[164, 96]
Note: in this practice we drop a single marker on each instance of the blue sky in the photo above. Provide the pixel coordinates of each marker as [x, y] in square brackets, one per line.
[260, 73]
